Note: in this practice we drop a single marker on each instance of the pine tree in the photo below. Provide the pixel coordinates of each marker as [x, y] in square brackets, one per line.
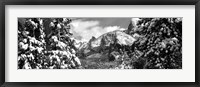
[31, 43]
[62, 50]
[160, 43]
[32, 52]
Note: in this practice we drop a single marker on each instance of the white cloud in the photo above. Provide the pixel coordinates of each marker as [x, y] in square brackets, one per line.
[84, 30]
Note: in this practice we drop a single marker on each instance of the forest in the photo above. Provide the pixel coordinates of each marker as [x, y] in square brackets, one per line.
[148, 43]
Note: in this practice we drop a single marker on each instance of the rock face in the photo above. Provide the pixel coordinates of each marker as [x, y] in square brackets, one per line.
[105, 46]
[111, 38]
[82, 48]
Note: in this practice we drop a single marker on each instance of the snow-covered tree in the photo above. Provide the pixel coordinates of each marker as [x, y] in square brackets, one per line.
[159, 43]
[32, 52]
[31, 43]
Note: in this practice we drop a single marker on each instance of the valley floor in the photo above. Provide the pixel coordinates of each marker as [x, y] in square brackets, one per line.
[98, 62]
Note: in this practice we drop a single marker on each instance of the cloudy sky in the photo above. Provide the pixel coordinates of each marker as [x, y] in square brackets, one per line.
[84, 28]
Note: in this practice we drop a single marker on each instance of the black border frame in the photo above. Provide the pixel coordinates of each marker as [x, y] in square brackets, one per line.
[3, 3]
